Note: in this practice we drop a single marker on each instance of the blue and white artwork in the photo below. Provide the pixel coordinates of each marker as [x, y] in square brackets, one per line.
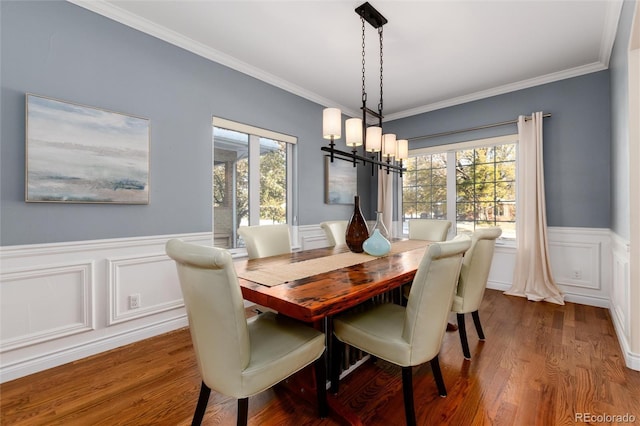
[79, 154]
[340, 182]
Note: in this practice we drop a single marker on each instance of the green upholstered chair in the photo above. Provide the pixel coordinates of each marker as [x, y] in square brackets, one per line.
[335, 230]
[411, 335]
[473, 281]
[239, 357]
[266, 240]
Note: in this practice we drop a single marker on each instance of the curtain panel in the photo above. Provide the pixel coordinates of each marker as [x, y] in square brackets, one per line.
[532, 276]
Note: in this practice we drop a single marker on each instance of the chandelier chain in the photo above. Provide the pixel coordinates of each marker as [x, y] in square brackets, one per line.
[364, 93]
[381, 61]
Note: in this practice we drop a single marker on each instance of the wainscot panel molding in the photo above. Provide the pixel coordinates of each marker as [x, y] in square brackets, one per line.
[27, 294]
[620, 299]
[581, 264]
[66, 301]
[311, 236]
[150, 276]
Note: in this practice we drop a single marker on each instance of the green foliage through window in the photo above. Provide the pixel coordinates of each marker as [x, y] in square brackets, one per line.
[485, 188]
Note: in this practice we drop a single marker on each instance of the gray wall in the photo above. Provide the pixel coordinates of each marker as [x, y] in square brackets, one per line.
[577, 146]
[60, 50]
[619, 66]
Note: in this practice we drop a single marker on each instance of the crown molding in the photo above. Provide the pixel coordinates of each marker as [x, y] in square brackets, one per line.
[120, 15]
[524, 84]
[124, 17]
[612, 17]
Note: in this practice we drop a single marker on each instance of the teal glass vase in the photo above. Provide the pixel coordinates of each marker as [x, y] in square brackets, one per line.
[376, 244]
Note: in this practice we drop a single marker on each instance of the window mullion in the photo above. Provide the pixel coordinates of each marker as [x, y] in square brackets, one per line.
[451, 191]
[254, 180]
[292, 188]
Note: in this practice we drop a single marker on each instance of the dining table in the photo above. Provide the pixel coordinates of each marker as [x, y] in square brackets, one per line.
[315, 285]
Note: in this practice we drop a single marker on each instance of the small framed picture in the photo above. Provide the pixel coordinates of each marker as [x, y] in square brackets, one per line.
[340, 181]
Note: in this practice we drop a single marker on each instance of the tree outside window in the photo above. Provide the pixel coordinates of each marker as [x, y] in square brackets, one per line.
[485, 187]
[250, 175]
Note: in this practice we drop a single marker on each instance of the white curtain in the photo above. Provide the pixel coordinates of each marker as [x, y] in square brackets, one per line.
[532, 277]
[385, 199]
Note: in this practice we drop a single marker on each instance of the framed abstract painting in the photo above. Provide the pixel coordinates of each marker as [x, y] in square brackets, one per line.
[80, 154]
[341, 181]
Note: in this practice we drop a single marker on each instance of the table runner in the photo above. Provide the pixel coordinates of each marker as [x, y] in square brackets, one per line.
[279, 272]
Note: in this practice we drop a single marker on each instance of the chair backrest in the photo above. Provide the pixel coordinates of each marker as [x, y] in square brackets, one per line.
[429, 229]
[215, 309]
[431, 296]
[335, 230]
[266, 240]
[475, 268]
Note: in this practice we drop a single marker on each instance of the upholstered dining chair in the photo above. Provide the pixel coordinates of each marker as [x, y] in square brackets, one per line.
[266, 240]
[428, 229]
[239, 357]
[473, 281]
[411, 335]
[335, 231]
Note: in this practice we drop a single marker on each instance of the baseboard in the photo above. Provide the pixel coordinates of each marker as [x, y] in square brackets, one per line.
[632, 359]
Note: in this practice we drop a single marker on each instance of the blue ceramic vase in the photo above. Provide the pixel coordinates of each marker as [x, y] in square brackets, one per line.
[376, 244]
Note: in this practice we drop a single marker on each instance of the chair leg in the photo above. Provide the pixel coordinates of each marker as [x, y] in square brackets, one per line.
[407, 393]
[321, 385]
[437, 375]
[243, 411]
[336, 363]
[403, 298]
[462, 329]
[201, 407]
[476, 321]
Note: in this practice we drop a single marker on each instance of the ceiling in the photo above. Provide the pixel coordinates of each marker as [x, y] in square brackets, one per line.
[436, 53]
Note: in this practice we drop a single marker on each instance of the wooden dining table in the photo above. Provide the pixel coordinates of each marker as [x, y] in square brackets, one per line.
[320, 295]
[314, 285]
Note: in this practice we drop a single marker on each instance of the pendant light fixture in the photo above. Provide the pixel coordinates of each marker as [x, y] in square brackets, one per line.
[382, 150]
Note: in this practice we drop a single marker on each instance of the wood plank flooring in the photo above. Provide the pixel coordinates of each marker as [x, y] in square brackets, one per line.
[542, 364]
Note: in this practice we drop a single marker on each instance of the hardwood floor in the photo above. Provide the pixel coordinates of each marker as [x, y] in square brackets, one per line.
[542, 364]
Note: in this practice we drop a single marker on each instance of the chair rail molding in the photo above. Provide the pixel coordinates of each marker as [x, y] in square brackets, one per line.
[66, 301]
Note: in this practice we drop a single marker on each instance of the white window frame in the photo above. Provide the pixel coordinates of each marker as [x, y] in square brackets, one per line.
[255, 133]
[450, 150]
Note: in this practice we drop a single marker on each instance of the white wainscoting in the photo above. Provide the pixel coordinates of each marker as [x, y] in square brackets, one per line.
[580, 261]
[581, 264]
[65, 301]
[26, 293]
[621, 299]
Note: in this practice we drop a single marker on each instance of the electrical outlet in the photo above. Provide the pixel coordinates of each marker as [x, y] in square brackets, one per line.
[134, 301]
[577, 274]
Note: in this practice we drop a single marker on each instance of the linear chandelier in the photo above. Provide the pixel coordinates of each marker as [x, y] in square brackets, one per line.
[382, 150]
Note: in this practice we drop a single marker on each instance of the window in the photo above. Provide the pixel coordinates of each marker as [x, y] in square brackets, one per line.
[252, 179]
[472, 184]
